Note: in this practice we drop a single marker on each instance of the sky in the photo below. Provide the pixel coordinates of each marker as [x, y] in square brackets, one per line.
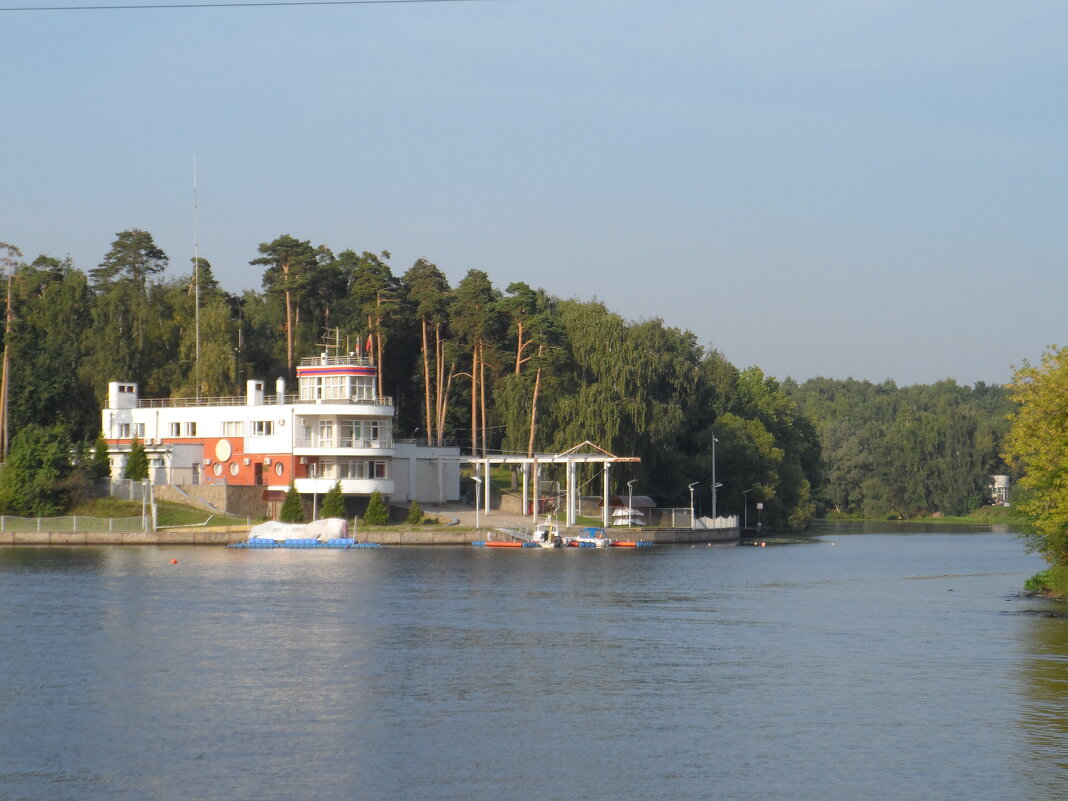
[875, 190]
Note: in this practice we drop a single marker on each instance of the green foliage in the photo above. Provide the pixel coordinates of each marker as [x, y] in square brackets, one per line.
[1037, 444]
[333, 502]
[292, 507]
[137, 462]
[37, 477]
[415, 514]
[1051, 581]
[376, 514]
[99, 462]
[904, 452]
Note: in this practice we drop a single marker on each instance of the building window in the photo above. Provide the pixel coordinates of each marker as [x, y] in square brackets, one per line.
[326, 433]
[349, 433]
[217, 468]
[232, 428]
[262, 428]
[374, 430]
[381, 469]
[234, 468]
[174, 430]
[279, 468]
[191, 429]
[124, 430]
[138, 430]
[363, 388]
[352, 468]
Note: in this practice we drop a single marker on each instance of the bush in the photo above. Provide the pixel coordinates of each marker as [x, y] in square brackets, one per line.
[292, 509]
[415, 514]
[333, 502]
[1051, 581]
[137, 463]
[376, 514]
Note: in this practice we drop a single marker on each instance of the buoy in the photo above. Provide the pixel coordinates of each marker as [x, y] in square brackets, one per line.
[763, 545]
[174, 561]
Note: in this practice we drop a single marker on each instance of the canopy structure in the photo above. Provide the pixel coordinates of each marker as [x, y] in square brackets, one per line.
[583, 453]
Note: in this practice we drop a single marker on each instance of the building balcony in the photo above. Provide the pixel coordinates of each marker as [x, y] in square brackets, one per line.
[341, 446]
[349, 486]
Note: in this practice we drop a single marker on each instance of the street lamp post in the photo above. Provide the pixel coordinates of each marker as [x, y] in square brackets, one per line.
[630, 501]
[714, 484]
[692, 524]
[478, 494]
[745, 508]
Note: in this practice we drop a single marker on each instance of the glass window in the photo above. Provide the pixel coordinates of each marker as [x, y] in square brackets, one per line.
[124, 430]
[380, 469]
[139, 430]
[349, 433]
[232, 428]
[191, 429]
[174, 430]
[326, 433]
[262, 428]
[279, 468]
[234, 468]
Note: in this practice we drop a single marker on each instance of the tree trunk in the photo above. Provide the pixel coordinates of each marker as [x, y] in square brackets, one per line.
[534, 406]
[426, 385]
[482, 395]
[474, 400]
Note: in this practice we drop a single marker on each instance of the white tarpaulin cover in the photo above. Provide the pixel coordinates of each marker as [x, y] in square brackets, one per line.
[326, 529]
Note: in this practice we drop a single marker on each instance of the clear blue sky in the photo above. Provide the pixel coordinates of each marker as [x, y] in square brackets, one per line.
[866, 189]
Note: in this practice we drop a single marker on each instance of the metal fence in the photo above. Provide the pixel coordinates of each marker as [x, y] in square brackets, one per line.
[72, 523]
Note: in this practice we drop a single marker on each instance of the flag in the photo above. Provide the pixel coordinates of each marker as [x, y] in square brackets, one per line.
[368, 348]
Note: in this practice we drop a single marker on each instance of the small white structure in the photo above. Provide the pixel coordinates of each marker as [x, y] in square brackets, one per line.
[999, 490]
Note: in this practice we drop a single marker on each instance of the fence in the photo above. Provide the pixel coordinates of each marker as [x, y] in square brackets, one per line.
[72, 523]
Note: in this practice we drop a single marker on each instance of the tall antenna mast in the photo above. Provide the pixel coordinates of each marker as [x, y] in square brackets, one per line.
[196, 282]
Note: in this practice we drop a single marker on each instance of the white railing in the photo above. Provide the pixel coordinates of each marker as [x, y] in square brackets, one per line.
[73, 523]
[340, 442]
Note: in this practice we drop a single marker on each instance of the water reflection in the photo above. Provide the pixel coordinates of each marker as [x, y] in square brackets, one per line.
[1044, 681]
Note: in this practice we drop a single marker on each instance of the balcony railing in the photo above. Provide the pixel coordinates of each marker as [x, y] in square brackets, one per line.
[340, 442]
[242, 400]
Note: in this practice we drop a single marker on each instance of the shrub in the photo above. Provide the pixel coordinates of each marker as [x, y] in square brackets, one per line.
[376, 514]
[415, 514]
[333, 502]
[292, 509]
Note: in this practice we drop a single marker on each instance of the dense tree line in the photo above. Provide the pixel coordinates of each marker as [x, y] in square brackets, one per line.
[907, 451]
[514, 370]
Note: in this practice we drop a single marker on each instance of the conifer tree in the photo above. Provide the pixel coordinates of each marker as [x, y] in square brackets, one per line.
[376, 514]
[137, 463]
[415, 514]
[334, 502]
[292, 508]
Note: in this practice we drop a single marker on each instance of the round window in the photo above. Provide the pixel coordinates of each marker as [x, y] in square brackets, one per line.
[217, 469]
[279, 468]
[233, 468]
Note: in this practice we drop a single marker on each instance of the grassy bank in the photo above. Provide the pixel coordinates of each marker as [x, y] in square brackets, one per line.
[167, 514]
[983, 516]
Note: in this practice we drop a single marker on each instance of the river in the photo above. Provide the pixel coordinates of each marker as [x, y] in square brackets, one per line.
[859, 666]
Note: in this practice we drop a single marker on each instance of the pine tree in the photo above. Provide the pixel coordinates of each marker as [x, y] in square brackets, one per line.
[99, 462]
[415, 514]
[137, 464]
[376, 514]
[334, 502]
[292, 509]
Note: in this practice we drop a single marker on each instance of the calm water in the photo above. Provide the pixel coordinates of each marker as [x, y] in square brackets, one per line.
[876, 666]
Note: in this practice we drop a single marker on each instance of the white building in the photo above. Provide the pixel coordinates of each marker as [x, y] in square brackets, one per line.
[334, 429]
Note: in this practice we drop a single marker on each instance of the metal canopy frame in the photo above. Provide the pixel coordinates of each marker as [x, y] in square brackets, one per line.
[533, 464]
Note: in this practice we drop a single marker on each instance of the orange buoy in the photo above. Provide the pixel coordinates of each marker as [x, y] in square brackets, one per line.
[174, 561]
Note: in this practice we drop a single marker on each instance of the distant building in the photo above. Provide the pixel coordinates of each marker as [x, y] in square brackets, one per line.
[333, 429]
[999, 490]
